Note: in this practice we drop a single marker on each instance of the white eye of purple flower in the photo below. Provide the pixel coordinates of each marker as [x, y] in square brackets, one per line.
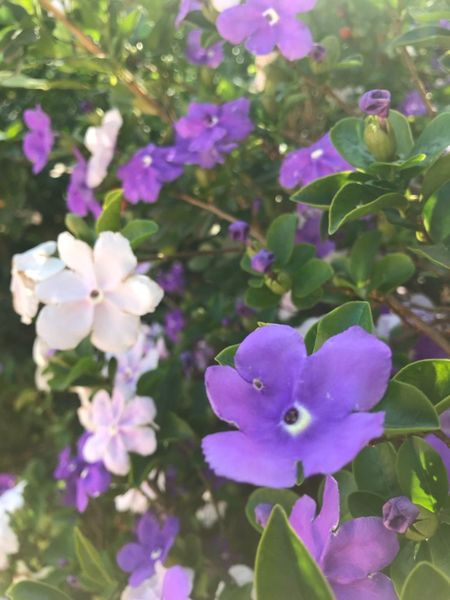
[84, 473]
[258, 384]
[155, 554]
[211, 120]
[147, 160]
[271, 16]
[317, 154]
[296, 419]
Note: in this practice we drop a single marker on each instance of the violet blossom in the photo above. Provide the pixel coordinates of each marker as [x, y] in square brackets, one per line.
[262, 260]
[309, 230]
[376, 102]
[265, 24]
[305, 165]
[83, 480]
[351, 555]
[238, 231]
[291, 408]
[173, 280]
[152, 545]
[209, 131]
[197, 54]
[413, 105]
[174, 323]
[186, 6]
[38, 142]
[147, 171]
[80, 198]
[399, 513]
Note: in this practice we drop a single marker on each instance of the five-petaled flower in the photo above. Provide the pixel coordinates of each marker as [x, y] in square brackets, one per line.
[197, 54]
[292, 408]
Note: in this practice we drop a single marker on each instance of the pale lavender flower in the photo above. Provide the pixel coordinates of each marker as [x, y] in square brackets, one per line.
[80, 198]
[38, 142]
[376, 102]
[318, 53]
[262, 260]
[413, 105]
[197, 54]
[262, 513]
[399, 513]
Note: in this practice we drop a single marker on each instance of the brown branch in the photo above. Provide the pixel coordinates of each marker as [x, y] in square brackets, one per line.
[160, 256]
[409, 64]
[124, 75]
[411, 319]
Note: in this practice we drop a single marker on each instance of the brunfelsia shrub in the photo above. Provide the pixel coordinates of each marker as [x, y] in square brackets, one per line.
[225, 241]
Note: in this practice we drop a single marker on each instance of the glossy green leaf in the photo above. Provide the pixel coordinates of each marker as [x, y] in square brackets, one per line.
[261, 298]
[92, 565]
[347, 485]
[391, 271]
[426, 581]
[435, 138]
[436, 213]
[403, 134]
[109, 219]
[35, 590]
[284, 498]
[428, 35]
[436, 176]
[281, 237]
[431, 376]
[226, 356]
[374, 470]
[320, 192]
[341, 318]
[410, 555]
[347, 137]
[284, 568]
[311, 276]
[365, 504]
[439, 545]
[362, 257]
[79, 228]
[139, 230]
[439, 254]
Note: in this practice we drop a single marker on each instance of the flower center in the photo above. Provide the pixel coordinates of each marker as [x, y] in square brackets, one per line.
[317, 154]
[147, 160]
[155, 554]
[84, 473]
[96, 296]
[258, 384]
[271, 16]
[211, 120]
[113, 430]
[296, 419]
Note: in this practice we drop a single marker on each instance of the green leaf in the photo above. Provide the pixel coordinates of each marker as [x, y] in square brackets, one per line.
[347, 485]
[434, 139]
[281, 237]
[365, 504]
[439, 254]
[436, 213]
[320, 192]
[347, 137]
[422, 474]
[431, 376]
[439, 546]
[85, 366]
[261, 298]
[436, 176]
[341, 318]
[92, 565]
[20, 81]
[79, 228]
[284, 568]
[407, 410]
[226, 356]
[284, 498]
[428, 35]
[310, 277]
[374, 470]
[425, 581]
[109, 220]
[35, 590]
[357, 200]
[362, 257]
[410, 555]
[403, 134]
[138, 231]
[391, 271]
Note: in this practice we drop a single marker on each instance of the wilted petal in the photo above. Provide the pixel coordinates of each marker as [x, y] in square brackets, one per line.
[114, 259]
[64, 326]
[114, 330]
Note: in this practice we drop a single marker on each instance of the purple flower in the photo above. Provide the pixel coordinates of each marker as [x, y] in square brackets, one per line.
[238, 231]
[152, 545]
[413, 105]
[305, 165]
[186, 6]
[262, 513]
[80, 198]
[198, 55]
[351, 556]
[38, 142]
[83, 480]
[262, 260]
[444, 421]
[264, 24]
[174, 323]
[309, 231]
[7, 481]
[443, 450]
[399, 513]
[209, 131]
[444, 23]
[173, 280]
[376, 102]
[425, 348]
[146, 172]
[291, 408]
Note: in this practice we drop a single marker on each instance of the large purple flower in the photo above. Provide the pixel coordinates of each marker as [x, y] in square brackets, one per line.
[146, 172]
[292, 408]
[83, 480]
[305, 165]
[80, 197]
[209, 131]
[352, 555]
[264, 24]
[152, 545]
[197, 54]
[38, 142]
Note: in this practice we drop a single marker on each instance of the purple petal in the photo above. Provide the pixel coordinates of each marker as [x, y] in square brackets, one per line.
[294, 39]
[237, 23]
[177, 584]
[130, 557]
[262, 40]
[374, 587]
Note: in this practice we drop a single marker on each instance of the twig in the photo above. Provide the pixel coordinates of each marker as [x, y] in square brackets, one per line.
[160, 256]
[124, 75]
[409, 64]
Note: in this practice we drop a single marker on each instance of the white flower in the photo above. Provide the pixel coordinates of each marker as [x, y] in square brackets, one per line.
[135, 500]
[207, 514]
[28, 269]
[12, 499]
[98, 294]
[261, 62]
[41, 355]
[221, 5]
[9, 543]
[241, 575]
[101, 142]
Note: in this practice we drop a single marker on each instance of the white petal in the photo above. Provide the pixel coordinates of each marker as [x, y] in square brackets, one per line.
[101, 410]
[141, 440]
[114, 330]
[77, 255]
[101, 142]
[64, 326]
[97, 167]
[137, 295]
[95, 447]
[116, 457]
[63, 287]
[24, 297]
[114, 259]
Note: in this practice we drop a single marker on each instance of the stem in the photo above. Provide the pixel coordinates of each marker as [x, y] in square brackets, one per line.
[189, 254]
[409, 64]
[124, 75]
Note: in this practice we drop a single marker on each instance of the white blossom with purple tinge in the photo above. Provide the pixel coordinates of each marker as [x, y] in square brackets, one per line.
[38, 142]
[197, 54]
[101, 143]
[174, 583]
[118, 427]
[292, 408]
[266, 24]
[80, 198]
[99, 295]
[305, 165]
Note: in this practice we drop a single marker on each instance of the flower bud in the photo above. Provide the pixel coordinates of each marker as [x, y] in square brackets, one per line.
[238, 231]
[376, 102]
[318, 53]
[380, 138]
[262, 260]
[399, 513]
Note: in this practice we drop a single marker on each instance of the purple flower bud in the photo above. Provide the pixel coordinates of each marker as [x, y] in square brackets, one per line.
[376, 102]
[318, 53]
[239, 231]
[262, 260]
[399, 513]
[262, 513]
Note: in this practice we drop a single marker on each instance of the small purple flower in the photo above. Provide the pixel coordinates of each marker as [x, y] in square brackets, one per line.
[309, 231]
[318, 53]
[174, 323]
[38, 142]
[413, 105]
[238, 231]
[291, 408]
[209, 131]
[262, 513]
[7, 481]
[351, 556]
[173, 281]
[196, 54]
[146, 172]
[152, 545]
[262, 260]
[264, 24]
[186, 6]
[376, 102]
[399, 513]
[80, 198]
[83, 480]
[305, 165]
[444, 23]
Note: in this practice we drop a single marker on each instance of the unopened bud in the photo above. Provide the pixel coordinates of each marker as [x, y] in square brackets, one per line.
[379, 137]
